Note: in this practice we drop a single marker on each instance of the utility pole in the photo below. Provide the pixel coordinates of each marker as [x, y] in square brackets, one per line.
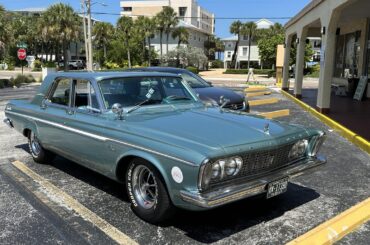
[89, 43]
[85, 35]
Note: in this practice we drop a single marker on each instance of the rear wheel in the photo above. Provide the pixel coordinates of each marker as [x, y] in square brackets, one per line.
[147, 192]
[39, 154]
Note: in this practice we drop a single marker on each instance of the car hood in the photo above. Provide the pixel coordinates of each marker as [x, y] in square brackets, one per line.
[207, 129]
[215, 93]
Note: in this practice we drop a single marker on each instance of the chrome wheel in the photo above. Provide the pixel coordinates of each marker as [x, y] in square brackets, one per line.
[35, 144]
[145, 188]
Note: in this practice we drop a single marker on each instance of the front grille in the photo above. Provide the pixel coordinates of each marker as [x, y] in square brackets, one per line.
[235, 106]
[259, 162]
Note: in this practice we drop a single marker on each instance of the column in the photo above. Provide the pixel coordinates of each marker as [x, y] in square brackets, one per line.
[327, 62]
[288, 45]
[300, 62]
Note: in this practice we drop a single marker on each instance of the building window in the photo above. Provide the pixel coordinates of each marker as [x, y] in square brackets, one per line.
[182, 12]
[229, 54]
[127, 9]
[245, 51]
[347, 55]
[229, 45]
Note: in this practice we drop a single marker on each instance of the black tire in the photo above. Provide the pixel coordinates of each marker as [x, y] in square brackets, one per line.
[38, 153]
[156, 212]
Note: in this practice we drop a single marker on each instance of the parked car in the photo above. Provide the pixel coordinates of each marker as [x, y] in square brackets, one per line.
[205, 90]
[73, 64]
[151, 132]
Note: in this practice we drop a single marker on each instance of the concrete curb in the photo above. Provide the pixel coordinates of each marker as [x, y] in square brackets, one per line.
[336, 228]
[345, 132]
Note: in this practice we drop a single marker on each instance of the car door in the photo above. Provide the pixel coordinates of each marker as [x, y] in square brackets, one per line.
[89, 145]
[53, 116]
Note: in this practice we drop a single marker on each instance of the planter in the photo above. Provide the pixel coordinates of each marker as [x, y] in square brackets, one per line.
[47, 70]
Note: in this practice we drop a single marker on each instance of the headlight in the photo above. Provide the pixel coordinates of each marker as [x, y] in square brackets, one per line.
[298, 149]
[218, 170]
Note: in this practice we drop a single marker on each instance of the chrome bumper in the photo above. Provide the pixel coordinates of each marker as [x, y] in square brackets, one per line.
[8, 122]
[251, 188]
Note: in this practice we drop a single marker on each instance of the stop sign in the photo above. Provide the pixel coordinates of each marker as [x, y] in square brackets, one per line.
[22, 54]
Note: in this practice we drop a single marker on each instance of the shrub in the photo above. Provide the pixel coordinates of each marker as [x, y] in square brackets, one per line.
[217, 64]
[245, 71]
[19, 79]
[271, 73]
[37, 65]
[4, 83]
[192, 69]
[49, 64]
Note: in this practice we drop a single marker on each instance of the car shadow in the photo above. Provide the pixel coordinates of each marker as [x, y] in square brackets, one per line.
[217, 224]
[205, 226]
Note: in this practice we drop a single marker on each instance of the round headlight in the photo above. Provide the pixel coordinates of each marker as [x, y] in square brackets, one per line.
[298, 149]
[230, 167]
[216, 170]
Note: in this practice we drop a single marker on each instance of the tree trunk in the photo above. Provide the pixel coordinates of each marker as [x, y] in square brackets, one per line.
[233, 60]
[149, 53]
[249, 49]
[160, 43]
[128, 54]
[65, 54]
[236, 52]
[167, 38]
[105, 52]
[144, 50]
[178, 55]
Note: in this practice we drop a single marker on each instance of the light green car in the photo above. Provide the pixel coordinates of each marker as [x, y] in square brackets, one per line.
[151, 132]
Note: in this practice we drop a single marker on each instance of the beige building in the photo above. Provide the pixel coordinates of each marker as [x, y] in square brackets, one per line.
[343, 26]
[199, 22]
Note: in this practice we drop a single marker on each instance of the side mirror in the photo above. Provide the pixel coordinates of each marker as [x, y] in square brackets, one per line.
[117, 109]
[209, 83]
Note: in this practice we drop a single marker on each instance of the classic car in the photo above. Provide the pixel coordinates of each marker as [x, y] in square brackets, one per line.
[204, 89]
[151, 132]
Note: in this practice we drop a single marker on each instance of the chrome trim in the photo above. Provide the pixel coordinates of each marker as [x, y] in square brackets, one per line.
[253, 187]
[102, 138]
[8, 122]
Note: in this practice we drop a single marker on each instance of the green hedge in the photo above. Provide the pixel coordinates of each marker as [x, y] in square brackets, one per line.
[217, 64]
[192, 69]
[19, 79]
[4, 83]
[245, 71]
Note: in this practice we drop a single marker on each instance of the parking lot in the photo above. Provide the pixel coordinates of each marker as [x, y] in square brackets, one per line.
[65, 203]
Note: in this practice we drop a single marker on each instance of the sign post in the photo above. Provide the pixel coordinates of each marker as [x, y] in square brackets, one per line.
[22, 54]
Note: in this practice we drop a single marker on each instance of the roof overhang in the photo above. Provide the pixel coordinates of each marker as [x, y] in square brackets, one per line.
[313, 4]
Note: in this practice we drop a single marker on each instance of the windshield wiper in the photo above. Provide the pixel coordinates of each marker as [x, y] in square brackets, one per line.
[137, 106]
[175, 97]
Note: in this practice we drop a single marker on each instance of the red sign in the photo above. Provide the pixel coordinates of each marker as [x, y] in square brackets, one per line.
[22, 54]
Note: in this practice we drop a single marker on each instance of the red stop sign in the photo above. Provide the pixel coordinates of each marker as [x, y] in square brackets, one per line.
[22, 54]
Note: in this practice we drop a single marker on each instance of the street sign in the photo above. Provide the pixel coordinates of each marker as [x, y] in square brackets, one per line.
[22, 45]
[22, 54]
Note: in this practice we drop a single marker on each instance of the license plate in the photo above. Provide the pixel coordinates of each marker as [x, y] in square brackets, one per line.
[277, 187]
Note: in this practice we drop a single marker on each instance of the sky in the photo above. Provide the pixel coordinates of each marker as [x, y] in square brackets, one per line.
[221, 8]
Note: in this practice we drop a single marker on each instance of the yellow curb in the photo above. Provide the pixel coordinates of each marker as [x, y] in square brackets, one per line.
[275, 114]
[69, 201]
[336, 228]
[345, 132]
[263, 101]
[252, 89]
[258, 94]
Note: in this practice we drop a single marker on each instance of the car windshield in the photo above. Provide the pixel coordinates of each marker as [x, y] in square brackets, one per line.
[133, 91]
[194, 81]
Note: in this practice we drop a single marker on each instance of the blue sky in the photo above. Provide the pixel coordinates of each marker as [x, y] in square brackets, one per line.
[221, 8]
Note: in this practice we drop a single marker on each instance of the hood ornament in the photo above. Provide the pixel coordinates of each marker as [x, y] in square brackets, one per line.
[266, 129]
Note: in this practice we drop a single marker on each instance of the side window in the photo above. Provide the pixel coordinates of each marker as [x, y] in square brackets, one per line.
[62, 92]
[85, 96]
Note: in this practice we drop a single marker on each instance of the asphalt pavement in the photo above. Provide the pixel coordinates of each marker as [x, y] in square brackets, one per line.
[30, 216]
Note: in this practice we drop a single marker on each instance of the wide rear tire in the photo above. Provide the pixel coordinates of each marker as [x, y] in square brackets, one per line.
[38, 153]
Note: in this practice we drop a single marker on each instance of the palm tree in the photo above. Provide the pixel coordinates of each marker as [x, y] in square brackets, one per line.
[235, 28]
[250, 29]
[61, 23]
[124, 29]
[160, 26]
[220, 47]
[103, 32]
[183, 37]
[170, 20]
[146, 29]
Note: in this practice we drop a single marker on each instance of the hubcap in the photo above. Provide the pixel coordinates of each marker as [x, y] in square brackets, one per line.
[35, 144]
[145, 187]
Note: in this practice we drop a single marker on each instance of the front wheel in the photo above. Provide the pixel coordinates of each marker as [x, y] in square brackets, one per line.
[147, 192]
[39, 154]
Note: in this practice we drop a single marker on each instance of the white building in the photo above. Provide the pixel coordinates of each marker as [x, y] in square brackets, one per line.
[199, 22]
[242, 57]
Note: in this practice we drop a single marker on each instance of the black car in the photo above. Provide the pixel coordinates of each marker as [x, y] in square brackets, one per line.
[204, 89]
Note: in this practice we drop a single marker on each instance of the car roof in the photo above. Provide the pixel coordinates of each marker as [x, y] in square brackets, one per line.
[106, 75]
[159, 69]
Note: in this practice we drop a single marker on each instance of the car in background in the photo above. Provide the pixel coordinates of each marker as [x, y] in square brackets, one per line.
[205, 90]
[73, 64]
